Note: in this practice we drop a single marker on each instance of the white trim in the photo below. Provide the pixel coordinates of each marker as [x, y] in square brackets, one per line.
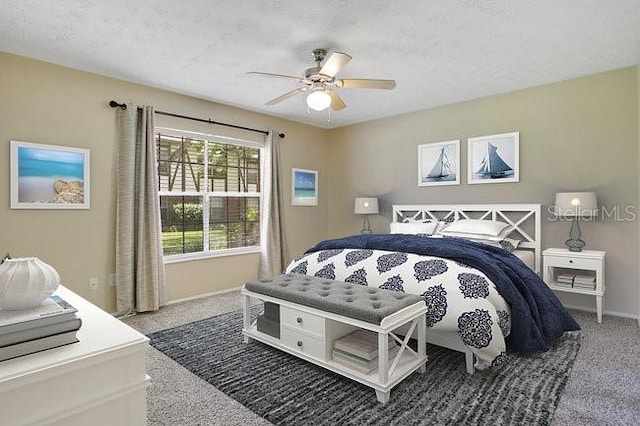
[187, 299]
[200, 255]
[611, 313]
[202, 296]
[237, 194]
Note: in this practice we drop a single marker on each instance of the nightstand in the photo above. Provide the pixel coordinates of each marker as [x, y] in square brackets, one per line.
[575, 272]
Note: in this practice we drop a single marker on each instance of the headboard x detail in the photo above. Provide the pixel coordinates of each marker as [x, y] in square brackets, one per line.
[524, 219]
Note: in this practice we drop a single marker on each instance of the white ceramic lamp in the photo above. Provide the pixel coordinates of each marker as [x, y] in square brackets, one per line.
[366, 206]
[576, 205]
[26, 282]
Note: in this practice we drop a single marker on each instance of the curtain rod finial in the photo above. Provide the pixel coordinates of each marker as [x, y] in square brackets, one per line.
[114, 104]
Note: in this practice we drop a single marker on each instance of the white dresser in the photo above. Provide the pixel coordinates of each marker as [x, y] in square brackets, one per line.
[100, 380]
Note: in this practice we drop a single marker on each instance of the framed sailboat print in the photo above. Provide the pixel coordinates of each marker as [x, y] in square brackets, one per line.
[439, 163]
[494, 159]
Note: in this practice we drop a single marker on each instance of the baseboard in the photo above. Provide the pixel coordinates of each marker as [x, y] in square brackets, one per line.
[612, 313]
[202, 296]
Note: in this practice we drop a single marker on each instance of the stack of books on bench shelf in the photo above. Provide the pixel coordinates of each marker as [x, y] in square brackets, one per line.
[565, 280]
[49, 325]
[585, 282]
[359, 350]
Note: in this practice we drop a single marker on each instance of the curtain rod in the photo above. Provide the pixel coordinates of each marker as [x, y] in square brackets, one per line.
[114, 104]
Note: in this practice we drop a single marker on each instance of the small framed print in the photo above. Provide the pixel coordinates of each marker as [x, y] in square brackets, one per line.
[49, 176]
[494, 159]
[439, 163]
[304, 187]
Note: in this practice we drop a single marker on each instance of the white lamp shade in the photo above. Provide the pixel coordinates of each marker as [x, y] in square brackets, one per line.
[366, 206]
[576, 204]
[318, 100]
[26, 282]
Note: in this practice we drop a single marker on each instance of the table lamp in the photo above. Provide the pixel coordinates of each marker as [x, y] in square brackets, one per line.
[576, 205]
[366, 206]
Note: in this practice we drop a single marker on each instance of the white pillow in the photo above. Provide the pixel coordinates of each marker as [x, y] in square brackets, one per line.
[413, 228]
[477, 228]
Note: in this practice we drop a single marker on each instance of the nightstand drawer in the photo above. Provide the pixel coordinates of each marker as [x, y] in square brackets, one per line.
[302, 342]
[299, 320]
[573, 262]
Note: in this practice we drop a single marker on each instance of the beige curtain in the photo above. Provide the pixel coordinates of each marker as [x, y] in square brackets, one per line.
[139, 264]
[273, 252]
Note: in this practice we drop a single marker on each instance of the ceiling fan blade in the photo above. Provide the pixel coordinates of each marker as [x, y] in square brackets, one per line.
[286, 96]
[337, 103]
[365, 83]
[287, 77]
[334, 63]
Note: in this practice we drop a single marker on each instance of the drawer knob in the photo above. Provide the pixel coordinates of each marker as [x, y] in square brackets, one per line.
[299, 321]
[299, 343]
[570, 260]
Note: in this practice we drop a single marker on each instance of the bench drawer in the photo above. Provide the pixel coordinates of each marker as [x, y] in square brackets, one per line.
[304, 321]
[303, 342]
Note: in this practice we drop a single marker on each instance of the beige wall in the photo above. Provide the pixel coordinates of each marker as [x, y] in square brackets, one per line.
[50, 104]
[580, 134]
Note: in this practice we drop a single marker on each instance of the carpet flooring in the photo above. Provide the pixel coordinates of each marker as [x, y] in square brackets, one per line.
[285, 390]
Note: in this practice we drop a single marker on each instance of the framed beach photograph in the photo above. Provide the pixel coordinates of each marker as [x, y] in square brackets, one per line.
[439, 163]
[304, 187]
[494, 159]
[49, 176]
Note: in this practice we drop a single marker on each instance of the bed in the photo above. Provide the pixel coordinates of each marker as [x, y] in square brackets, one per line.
[483, 300]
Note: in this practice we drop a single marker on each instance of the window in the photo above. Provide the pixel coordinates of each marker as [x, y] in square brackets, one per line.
[210, 192]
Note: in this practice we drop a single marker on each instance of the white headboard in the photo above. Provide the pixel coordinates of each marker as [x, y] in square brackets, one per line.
[524, 218]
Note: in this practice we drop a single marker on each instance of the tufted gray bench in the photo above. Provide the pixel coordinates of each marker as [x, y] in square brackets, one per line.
[350, 300]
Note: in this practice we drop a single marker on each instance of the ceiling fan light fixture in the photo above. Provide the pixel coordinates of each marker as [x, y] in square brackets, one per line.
[319, 82]
[319, 100]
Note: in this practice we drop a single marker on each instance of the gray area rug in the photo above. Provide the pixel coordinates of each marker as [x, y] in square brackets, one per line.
[288, 391]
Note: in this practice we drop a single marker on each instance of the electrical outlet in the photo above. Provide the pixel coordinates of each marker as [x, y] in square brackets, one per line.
[112, 279]
[93, 284]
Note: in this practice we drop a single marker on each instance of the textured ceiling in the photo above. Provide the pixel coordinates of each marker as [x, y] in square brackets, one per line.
[438, 51]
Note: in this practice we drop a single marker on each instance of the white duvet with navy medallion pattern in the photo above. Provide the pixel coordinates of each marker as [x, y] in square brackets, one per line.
[459, 298]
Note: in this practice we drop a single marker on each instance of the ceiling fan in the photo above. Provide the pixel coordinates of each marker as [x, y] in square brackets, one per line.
[320, 81]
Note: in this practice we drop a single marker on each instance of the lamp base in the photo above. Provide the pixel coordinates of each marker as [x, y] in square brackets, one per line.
[575, 245]
[366, 227]
[574, 242]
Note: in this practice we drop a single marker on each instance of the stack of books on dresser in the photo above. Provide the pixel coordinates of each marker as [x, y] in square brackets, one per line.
[49, 325]
[359, 350]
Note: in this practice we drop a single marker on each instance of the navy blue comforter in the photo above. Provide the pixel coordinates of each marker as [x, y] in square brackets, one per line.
[537, 316]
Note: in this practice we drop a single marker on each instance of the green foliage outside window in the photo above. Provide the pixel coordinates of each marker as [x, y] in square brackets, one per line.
[190, 173]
